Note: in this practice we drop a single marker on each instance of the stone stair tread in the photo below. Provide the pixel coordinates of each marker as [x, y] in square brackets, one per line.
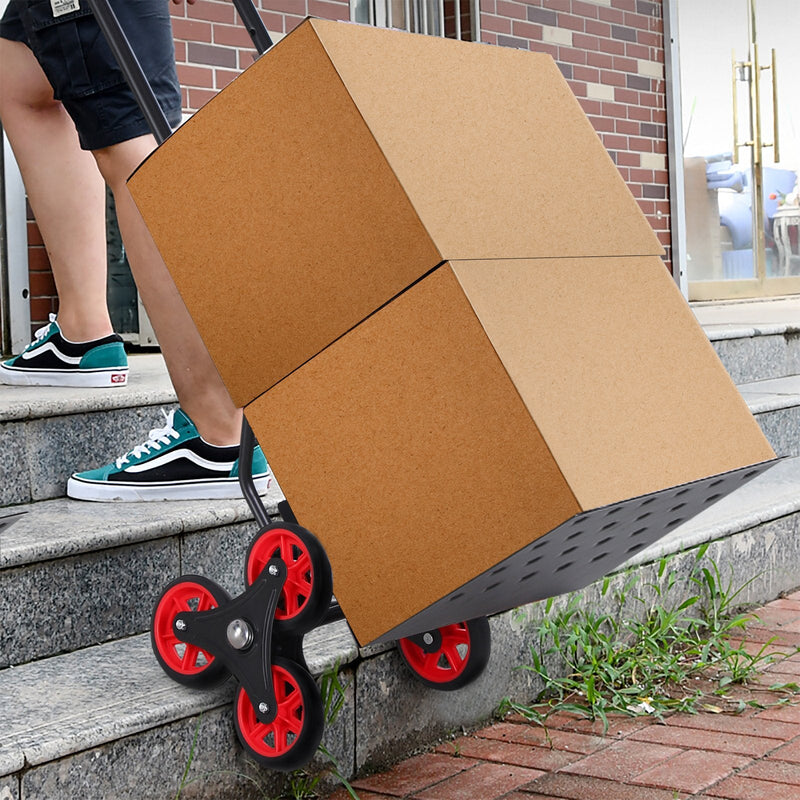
[740, 320]
[771, 394]
[772, 495]
[148, 384]
[59, 528]
[81, 700]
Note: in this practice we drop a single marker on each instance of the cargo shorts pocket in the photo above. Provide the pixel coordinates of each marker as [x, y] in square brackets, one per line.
[71, 50]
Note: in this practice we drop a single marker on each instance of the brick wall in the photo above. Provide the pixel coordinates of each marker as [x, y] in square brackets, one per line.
[212, 46]
[612, 54]
[610, 51]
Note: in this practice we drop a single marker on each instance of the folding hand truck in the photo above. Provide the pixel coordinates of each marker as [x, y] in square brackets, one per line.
[200, 635]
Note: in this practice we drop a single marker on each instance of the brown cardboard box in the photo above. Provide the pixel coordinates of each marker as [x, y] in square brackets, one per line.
[348, 162]
[484, 407]
[447, 318]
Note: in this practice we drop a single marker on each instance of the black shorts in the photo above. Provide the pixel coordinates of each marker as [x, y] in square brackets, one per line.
[84, 75]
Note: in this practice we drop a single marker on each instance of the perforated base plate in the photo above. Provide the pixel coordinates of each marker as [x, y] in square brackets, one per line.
[576, 553]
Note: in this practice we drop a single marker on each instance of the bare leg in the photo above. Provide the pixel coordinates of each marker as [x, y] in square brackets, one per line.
[200, 389]
[65, 190]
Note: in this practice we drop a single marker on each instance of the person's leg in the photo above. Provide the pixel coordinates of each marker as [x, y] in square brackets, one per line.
[64, 188]
[200, 390]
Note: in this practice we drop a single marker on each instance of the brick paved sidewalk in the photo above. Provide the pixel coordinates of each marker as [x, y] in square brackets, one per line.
[754, 755]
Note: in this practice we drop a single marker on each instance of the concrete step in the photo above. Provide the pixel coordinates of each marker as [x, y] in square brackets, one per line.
[74, 574]
[108, 712]
[48, 433]
[776, 405]
[106, 722]
[756, 340]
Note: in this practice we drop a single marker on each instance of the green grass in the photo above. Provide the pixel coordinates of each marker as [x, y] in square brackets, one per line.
[673, 644]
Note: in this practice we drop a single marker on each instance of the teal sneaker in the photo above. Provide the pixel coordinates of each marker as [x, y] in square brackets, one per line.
[52, 360]
[175, 463]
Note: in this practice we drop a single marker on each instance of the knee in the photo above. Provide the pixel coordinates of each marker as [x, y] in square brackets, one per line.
[16, 102]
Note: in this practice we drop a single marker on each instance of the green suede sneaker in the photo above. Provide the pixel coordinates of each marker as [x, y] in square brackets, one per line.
[52, 360]
[175, 463]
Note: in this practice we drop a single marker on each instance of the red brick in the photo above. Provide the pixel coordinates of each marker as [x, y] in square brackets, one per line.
[582, 787]
[545, 737]
[587, 10]
[611, 15]
[199, 97]
[585, 41]
[635, 50]
[38, 260]
[787, 713]
[343, 794]
[326, 10]
[192, 30]
[619, 725]
[557, 5]
[483, 782]
[34, 235]
[738, 788]
[596, 28]
[692, 770]
[773, 770]
[625, 159]
[415, 774]
[213, 11]
[789, 752]
[626, 96]
[40, 308]
[511, 753]
[526, 30]
[623, 760]
[514, 11]
[232, 36]
[571, 22]
[746, 726]
[497, 24]
[200, 77]
[600, 60]
[671, 735]
[41, 284]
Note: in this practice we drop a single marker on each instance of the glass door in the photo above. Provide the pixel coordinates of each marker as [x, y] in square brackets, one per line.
[739, 63]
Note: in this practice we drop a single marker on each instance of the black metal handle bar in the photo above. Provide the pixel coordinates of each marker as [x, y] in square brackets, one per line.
[132, 69]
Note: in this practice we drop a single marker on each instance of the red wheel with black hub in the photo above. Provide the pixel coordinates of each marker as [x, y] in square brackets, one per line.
[306, 595]
[293, 736]
[451, 657]
[186, 663]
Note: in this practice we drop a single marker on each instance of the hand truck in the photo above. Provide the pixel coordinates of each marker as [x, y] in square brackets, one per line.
[200, 635]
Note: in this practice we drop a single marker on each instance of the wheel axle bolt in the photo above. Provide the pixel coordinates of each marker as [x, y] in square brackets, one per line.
[273, 570]
[263, 708]
[240, 636]
[180, 624]
[428, 638]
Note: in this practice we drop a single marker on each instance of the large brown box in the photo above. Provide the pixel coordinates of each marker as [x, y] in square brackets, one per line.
[413, 262]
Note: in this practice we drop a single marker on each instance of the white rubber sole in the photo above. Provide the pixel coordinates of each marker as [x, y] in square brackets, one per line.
[108, 492]
[95, 379]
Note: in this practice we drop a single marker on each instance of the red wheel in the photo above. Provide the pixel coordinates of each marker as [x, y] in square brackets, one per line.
[292, 738]
[186, 663]
[306, 594]
[455, 655]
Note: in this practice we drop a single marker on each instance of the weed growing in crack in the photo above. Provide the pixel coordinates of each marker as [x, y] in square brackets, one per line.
[657, 651]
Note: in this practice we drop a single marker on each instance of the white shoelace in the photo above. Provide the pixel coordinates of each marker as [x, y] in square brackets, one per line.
[39, 334]
[155, 439]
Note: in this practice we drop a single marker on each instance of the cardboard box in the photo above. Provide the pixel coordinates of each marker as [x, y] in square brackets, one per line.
[448, 321]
